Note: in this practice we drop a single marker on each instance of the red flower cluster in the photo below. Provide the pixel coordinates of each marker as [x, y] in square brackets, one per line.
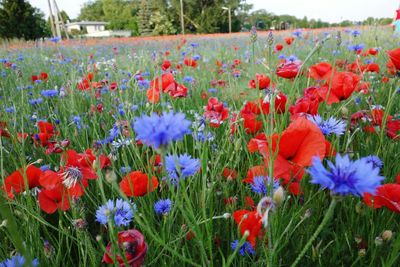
[292, 150]
[168, 85]
[375, 118]
[138, 184]
[215, 111]
[133, 244]
[42, 77]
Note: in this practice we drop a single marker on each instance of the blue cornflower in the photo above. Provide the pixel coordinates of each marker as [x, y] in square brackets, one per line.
[55, 39]
[120, 212]
[163, 206]
[143, 84]
[246, 248]
[10, 110]
[356, 33]
[160, 130]
[181, 167]
[375, 160]
[196, 57]
[261, 183]
[346, 176]
[188, 79]
[17, 261]
[330, 126]
[297, 33]
[45, 168]
[292, 58]
[212, 90]
[49, 93]
[77, 121]
[125, 169]
[356, 47]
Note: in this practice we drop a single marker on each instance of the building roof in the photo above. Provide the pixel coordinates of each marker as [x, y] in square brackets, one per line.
[86, 23]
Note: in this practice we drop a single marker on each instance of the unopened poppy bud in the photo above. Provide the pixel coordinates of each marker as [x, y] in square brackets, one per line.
[246, 233]
[362, 252]
[38, 161]
[387, 235]
[226, 215]
[279, 196]
[344, 111]
[98, 238]
[111, 176]
[3, 223]
[378, 241]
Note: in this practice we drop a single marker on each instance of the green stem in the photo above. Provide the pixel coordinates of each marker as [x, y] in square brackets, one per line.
[327, 218]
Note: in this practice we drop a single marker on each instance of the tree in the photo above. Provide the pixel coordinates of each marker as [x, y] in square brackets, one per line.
[18, 19]
[144, 18]
[92, 11]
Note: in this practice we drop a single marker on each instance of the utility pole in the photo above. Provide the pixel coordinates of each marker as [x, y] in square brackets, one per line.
[229, 17]
[57, 22]
[182, 21]
[53, 31]
[61, 20]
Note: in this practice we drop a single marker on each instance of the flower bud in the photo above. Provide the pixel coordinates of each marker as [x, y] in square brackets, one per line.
[362, 252]
[279, 196]
[378, 241]
[226, 215]
[387, 235]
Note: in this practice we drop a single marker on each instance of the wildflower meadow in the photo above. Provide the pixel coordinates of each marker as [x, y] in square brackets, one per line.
[264, 148]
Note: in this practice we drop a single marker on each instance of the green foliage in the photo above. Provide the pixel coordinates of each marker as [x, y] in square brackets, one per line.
[160, 24]
[18, 19]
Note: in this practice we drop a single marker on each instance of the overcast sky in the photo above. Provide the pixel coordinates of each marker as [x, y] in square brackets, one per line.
[326, 10]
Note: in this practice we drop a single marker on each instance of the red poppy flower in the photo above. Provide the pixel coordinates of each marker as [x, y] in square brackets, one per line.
[289, 40]
[391, 68]
[371, 67]
[249, 113]
[278, 47]
[261, 82]
[3, 130]
[166, 65]
[43, 77]
[55, 198]
[46, 131]
[373, 51]
[137, 184]
[321, 71]
[229, 174]
[305, 105]
[288, 70]
[394, 56]
[190, 62]
[387, 195]
[153, 93]
[343, 86]
[132, 243]
[15, 182]
[83, 85]
[215, 111]
[294, 148]
[249, 221]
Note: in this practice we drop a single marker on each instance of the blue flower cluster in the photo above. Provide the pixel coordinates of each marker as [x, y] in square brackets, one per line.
[245, 249]
[160, 130]
[120, 212]
[330, 126]
[18, 261]
[163, 206]
[181, 167]
[345, 176]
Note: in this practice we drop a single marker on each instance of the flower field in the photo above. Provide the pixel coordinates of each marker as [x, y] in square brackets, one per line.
[250, 149]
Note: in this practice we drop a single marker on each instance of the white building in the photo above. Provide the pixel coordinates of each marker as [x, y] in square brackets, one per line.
[93, 29]
[86, 26]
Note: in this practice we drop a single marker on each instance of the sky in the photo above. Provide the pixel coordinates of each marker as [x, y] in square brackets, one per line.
[326, 10]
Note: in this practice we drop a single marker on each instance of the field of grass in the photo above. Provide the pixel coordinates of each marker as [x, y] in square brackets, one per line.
[185, 132]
